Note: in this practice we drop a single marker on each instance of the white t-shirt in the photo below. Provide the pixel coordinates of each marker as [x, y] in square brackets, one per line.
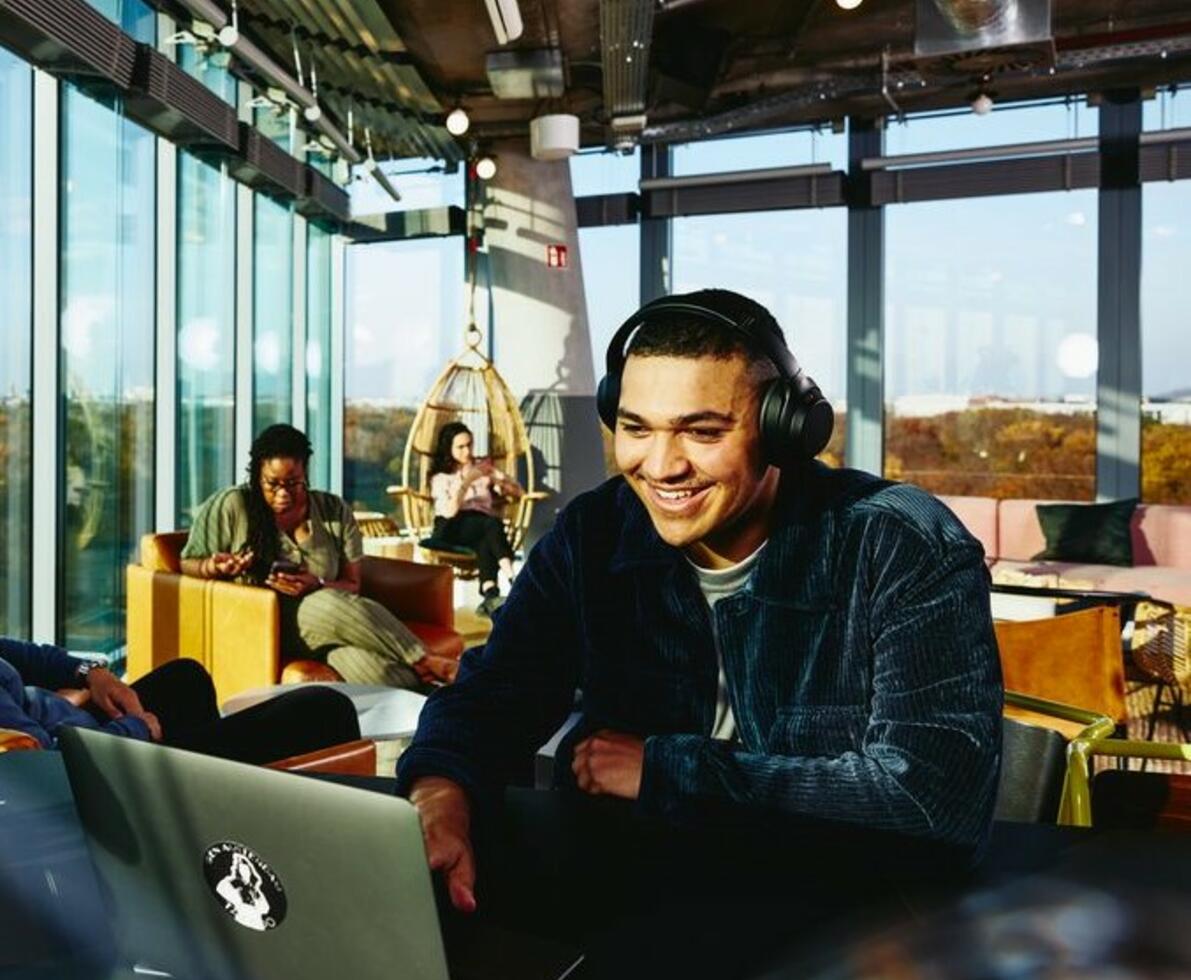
[717, 583]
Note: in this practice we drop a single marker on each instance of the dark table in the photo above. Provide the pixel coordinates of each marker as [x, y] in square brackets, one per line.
[644, 900]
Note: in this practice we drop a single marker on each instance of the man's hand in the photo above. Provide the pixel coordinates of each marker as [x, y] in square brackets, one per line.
[151, 723]
[446, 826]
[111, 695]
[433, 669]
[116, 699]
[610, 763]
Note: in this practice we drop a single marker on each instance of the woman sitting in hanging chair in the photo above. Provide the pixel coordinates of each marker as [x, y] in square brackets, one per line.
[465, 491]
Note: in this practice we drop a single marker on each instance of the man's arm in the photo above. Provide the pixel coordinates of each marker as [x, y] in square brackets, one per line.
[510, 695]
[929, 760]
[508, 699]
[41, 664]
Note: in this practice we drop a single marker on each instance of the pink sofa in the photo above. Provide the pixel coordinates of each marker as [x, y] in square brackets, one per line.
[1010, 533]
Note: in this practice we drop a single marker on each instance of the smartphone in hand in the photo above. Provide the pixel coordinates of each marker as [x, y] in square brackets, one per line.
[284, 566]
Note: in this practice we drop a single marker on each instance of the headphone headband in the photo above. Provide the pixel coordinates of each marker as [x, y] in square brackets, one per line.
[767, 342]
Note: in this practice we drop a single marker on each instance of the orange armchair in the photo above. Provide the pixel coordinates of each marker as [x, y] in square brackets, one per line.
[235, 630]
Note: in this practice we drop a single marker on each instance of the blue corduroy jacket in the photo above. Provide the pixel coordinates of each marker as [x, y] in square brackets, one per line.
[860, 660]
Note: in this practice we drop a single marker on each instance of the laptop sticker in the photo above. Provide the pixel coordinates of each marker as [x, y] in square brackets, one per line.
[246, 888]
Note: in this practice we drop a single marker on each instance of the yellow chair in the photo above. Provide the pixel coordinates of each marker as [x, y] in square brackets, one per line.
[1171, 811]
[235, 630]
[1055, 717]
[1072, 659]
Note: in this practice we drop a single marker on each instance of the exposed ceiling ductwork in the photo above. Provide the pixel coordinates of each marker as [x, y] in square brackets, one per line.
[626, 30]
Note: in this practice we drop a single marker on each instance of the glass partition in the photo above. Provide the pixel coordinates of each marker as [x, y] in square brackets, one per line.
[404, 322]
[318, 352]
[1166, 342]
[16, 338]
[991, 350]
[762, 151]
[273, 313]
[962, 129]
[107, 292]
[205, 459]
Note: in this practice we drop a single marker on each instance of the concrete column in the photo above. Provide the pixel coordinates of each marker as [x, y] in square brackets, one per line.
[539, 333]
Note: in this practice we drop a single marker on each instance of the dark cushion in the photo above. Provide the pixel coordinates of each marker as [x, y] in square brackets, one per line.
[438, 544]
[1097, 534]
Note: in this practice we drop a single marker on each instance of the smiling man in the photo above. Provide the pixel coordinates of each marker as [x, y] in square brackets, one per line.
[753, 633]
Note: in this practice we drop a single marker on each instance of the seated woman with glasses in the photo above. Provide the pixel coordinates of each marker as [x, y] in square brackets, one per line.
[304, 544]
[464, 490]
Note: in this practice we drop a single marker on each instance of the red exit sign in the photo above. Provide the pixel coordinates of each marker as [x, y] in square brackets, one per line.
[556, 256]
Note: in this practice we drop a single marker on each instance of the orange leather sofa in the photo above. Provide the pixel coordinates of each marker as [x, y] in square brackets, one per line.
[235, 630]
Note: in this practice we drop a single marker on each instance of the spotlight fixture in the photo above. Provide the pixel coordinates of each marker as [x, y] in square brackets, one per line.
[982, 104]
[485, 168]
[457, 121]
[848, 4]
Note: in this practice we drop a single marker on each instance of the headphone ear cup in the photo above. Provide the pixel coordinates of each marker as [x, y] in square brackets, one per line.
[796, 423]
[775, 428]
[608, 399]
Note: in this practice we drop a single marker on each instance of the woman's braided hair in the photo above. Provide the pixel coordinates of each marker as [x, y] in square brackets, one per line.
[279, 441]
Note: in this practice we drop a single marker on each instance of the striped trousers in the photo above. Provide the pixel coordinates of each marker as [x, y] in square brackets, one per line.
[357, 636]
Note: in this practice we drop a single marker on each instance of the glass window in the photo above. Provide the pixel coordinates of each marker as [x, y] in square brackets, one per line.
[207, 68]
[1166, 342]
[107, 294]
[206, 333]
[135, 17]
[318, 352]
[16, 337]
[1030, 122]
[763, 151]
[609, 258]
[422, 183]
[991, 355]
[605, 172]
[1170, 108]
[394, 351]
[792, 262]
[273, 313]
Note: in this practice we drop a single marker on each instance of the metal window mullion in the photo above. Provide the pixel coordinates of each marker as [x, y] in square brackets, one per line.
[336, 366]
[865, 444]
[166, 382]
[245, 318]
[1118, 377]
[46, 378]
[656, 233]
[298, 351]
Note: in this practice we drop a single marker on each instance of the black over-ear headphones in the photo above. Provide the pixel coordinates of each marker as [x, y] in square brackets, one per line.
[796, 420]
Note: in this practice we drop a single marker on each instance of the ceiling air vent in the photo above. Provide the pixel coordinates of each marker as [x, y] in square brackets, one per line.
[524, 74]
[324, 198]
[168, 101]
[68, 38]
[264, 165]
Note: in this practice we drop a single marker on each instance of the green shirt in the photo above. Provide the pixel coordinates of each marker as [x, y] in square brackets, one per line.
[221, 524]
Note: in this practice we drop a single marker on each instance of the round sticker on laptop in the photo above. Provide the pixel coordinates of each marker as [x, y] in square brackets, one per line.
[244, 885]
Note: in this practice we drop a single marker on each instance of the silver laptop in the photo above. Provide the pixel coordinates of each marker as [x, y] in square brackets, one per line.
[223, 871]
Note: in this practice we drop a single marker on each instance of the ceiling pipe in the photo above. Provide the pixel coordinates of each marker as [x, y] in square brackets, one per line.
[259, 61]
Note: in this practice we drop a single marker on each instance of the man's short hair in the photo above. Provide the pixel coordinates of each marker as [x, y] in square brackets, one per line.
[672, 333]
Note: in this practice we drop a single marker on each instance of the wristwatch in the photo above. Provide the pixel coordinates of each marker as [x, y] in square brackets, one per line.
[82, 671]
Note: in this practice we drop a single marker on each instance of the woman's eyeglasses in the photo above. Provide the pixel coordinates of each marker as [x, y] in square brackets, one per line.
[289, 486]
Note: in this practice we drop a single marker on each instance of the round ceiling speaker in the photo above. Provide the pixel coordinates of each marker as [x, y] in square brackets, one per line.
[553, 137]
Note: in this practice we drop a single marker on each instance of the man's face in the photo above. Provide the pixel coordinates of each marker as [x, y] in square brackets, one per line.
[687, 441]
